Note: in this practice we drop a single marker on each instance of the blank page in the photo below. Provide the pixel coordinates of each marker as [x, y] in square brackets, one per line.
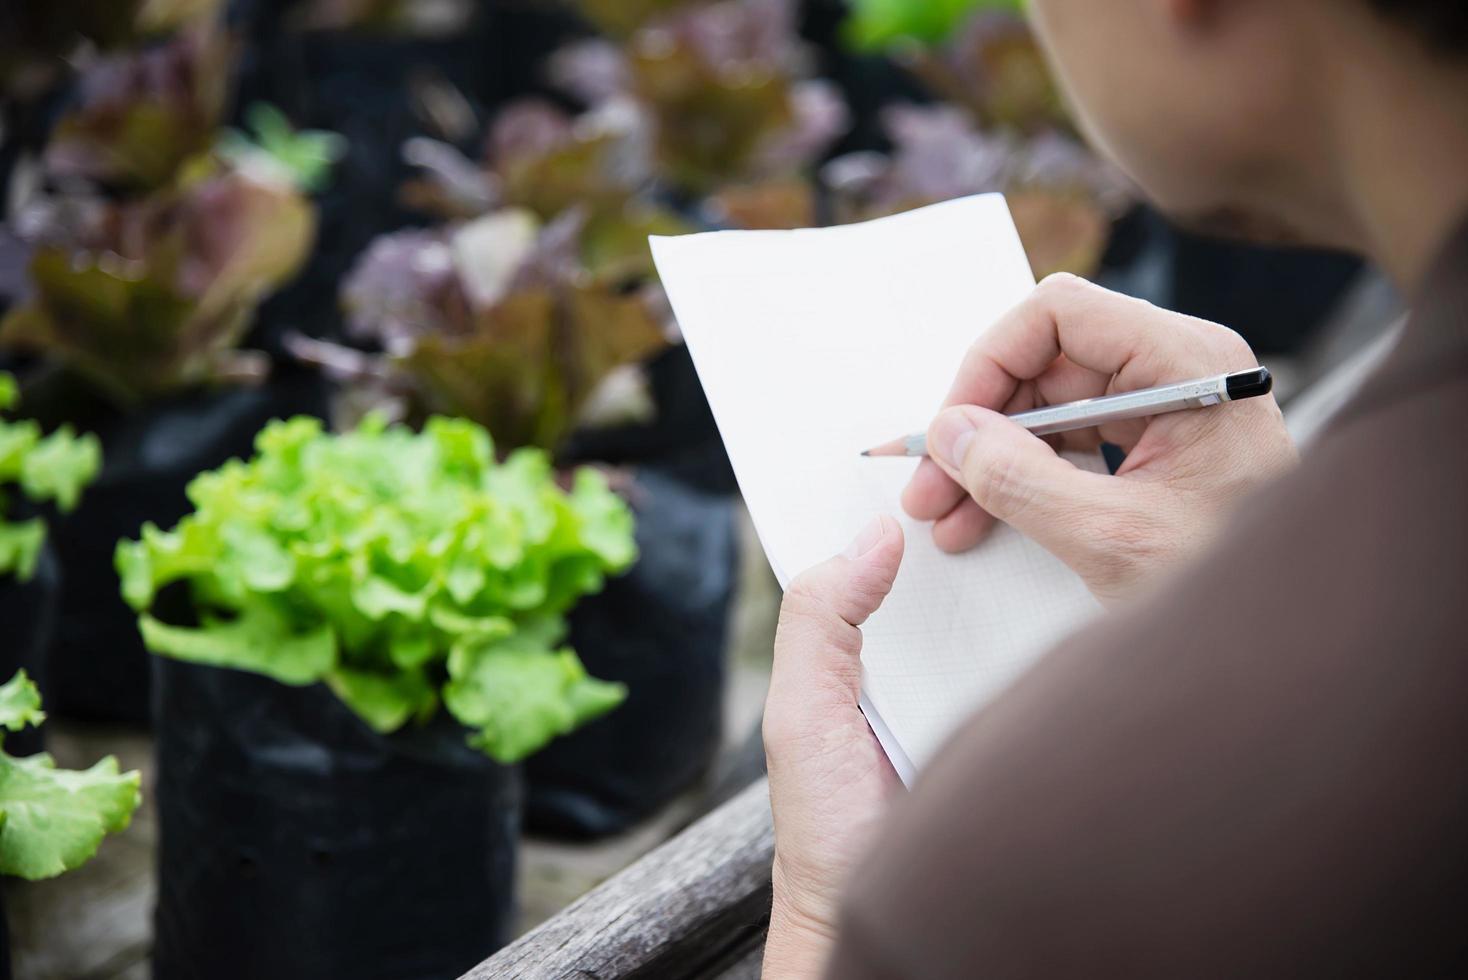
[813, 345]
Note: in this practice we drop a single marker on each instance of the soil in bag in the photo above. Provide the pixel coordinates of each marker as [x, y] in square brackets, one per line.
[294, 842]
[660, 629]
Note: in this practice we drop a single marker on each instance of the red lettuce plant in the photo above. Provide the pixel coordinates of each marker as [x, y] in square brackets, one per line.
[498, 320]
[541, 158]
[1062, 197]
[39, 40]
[140, 115]
[725, 90]
[1003, 129]
[147, 266]
[993, 66]
[620, 18]
[153, 294]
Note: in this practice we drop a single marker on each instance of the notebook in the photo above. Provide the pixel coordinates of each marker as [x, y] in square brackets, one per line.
[813, 345]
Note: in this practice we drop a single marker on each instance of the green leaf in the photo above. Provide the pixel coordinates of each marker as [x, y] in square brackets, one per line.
[17, 439]
[145, 566]
[20, 547]
[520, 698]
[54, 819]
[9, 392]
[876, 24]
[303, 157]
[377, 598]
[59, 466]
[20, 703]
[386, 702]
[260, 640]
[604, 522]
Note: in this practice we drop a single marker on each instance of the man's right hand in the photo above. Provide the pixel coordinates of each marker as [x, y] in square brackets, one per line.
[1071, 340]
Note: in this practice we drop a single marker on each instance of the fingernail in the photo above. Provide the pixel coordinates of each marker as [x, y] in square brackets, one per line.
[867, 539]
[950, 437]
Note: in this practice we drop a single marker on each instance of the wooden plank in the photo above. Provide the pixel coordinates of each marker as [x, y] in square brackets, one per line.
[695, 907]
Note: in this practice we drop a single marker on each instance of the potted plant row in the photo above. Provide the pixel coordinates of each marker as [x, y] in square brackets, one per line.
[535, 310]
[360, 634]
[150, 249]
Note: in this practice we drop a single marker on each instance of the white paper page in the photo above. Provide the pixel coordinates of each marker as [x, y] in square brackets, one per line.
[813, 345]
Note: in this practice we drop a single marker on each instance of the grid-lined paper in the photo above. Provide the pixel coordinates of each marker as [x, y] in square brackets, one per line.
[813, 345]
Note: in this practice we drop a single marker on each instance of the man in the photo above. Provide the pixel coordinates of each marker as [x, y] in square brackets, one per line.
[1255, 765]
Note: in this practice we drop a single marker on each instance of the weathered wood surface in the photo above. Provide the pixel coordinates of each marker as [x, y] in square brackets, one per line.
[696, 907]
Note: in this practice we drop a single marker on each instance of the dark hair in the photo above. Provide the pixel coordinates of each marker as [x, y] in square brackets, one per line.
[1442, 23]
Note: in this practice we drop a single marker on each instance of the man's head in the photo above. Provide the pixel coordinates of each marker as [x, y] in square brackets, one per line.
[1224, 111]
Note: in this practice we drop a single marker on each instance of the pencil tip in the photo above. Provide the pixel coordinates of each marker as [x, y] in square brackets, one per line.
[866, 452]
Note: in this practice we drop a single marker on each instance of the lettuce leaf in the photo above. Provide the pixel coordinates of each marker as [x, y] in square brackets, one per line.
[53, 820]
[20, 703]
[520, 696]
[258, 640]
[48, 469]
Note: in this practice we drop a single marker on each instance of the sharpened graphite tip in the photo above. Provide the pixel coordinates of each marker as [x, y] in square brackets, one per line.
[910, 446]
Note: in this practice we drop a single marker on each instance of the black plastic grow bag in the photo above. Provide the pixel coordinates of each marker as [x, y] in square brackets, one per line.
[98, 667]
[294, 842]
[27, 620]
[660, 630]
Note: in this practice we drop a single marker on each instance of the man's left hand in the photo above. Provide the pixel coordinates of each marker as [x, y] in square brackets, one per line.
[829, 779]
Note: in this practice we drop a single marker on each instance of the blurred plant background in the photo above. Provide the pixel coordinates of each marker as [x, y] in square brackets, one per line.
[217, 213]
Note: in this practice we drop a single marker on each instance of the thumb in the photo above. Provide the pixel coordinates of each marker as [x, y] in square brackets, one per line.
[818, 645]
[1015, 476]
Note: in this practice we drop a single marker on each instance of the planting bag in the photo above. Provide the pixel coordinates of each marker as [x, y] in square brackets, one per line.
[659, 629]
[294, 842]
[98, 666]
[28, 620]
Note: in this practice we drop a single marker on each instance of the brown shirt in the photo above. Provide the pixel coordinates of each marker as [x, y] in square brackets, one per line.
[1260, 772]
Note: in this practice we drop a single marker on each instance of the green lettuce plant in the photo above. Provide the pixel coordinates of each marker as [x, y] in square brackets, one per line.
[46, 468]
[405, 571]
[303, 157]
[53, 820]
[878, 24]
